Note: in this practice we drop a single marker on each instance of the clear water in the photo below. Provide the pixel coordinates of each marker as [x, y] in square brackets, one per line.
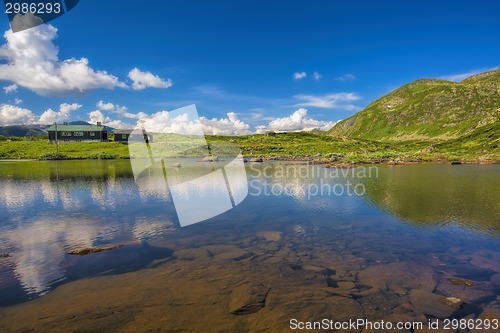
[441, 220]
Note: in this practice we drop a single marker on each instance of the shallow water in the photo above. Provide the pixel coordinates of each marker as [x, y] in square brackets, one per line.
[376, 242]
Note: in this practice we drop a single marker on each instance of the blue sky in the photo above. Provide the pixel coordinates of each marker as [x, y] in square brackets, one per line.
[259, 61]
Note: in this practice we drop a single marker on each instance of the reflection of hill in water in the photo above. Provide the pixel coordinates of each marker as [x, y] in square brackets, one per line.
[467, 195]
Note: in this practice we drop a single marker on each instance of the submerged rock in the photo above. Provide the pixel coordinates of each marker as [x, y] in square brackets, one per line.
[81, 251]
[4, 255]
[460, 282]
[452, 302]
[248, 298]
[466, 290]
[346, 285]
[430, 304]
[490, 313]
[270, 235]
[495, 280]
[227, 252]
[398, 277]
[299, 230]
[191, 254]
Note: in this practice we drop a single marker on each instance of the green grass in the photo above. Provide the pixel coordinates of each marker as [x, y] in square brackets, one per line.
[481, 144]
[40, 148]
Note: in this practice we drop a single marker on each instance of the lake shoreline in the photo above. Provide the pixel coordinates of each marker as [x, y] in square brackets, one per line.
[341, 163]
[302, 159]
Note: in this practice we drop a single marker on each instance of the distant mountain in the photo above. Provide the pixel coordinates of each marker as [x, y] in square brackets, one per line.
[23, 130]
[37, 130]
[429, 109]
[78, 122]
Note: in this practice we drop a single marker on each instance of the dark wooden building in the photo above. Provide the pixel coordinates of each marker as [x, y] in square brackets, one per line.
[270, 133]
[77, 133]
[122, 136]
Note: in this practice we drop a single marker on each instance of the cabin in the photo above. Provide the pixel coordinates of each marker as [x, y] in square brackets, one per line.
[270, 133]
[123, 135]
[77, 133]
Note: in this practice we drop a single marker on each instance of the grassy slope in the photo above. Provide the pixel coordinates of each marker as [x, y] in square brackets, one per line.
[482, 144]
[428, 109]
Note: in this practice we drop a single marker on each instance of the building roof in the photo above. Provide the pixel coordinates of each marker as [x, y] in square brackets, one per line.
[77, 128]
[123, 131]
[127, 131]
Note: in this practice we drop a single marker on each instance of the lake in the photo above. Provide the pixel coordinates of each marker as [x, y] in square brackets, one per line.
[399, 244]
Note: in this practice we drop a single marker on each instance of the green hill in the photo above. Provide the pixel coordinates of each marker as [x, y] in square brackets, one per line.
[429, 109]
[21, 131]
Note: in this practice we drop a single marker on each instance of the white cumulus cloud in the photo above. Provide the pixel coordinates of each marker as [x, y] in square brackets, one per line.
[317, 76]
[50, 116]
[298, 121]
[462, 76]
[97, 116]
[225, 126]
[164, 122]
[30, 59]
[347, 77]
[142, 80]
[10, 88]
[105, 106]
[14, 115]
[299, 75]
[328, 101]
[120, 110]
